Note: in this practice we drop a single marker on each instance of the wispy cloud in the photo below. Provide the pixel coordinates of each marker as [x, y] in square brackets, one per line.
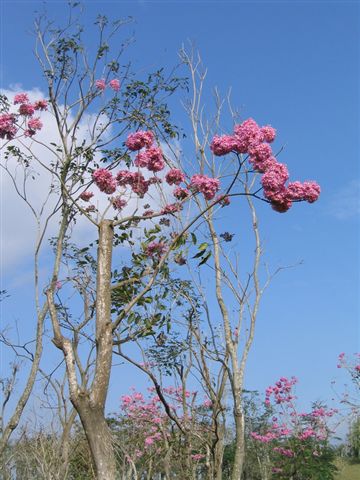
[345, 203]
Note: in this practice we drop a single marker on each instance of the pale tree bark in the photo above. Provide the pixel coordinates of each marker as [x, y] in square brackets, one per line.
[90, 402]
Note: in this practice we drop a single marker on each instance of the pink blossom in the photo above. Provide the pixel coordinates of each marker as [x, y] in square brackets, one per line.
[118, 203]
[104, 180]
[100, 84]
[268, 133]
[21, 98]
[26, 109]
[7, 126]
[85, 196]
[171, 208]
[261, 157]
[140, 139]
[151, 158]
[282, 205]
[41, 104]
[247, 134]
[206, 185]
[138, 184]
[124, 177]
[155, 249]
[274, 179]
[181, 193]
[174, 176]
[35, 124]
[115, 84]
[222, 145]
[311, 191]
[224, 200]
[197, 456]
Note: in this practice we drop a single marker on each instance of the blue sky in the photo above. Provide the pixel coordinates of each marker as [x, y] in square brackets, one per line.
[294, 65]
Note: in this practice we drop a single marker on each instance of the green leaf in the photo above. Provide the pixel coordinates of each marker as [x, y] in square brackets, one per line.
[193, 238]
[205, 259]
[199, 254]
[203, 246]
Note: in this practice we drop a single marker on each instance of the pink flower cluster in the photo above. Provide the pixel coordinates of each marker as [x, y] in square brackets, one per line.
[138, 140]
[155, 249]
[245, 136]
[171, 208]
[249, 137]
[104, 180]
[86, 196]
[113, 84]
[34, 124]
[151, 158]
[135, 180]
[174, 177]
[8, 127]
[181, 193]
[281, 391]
[287, 452]
[118, 202]
[206, 185]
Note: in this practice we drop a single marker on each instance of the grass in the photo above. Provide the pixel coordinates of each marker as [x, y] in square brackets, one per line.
[347, 471]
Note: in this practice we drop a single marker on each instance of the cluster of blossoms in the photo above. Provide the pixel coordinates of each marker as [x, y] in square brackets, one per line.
[294, 432]
[250, 138]
[352, 366]
[9, 121]
[86, 196]
[281, 391]
[118, 202]
[8, 126]
[206, 185]
[151, 158]
[155, 249]
[151, 427]
[104, 180]
[113, 84]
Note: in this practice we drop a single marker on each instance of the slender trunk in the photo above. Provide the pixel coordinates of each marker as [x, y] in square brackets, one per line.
[219, 454]
[91, 406]
[239, 453]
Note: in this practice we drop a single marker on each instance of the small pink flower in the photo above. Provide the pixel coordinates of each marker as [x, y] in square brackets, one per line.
[206, 185]
[41, 105]
[104, 180]
[174, 176]
[100, 84]
[35, 124]
[85, 196]
[21, 98]
[26, 109]
[8, 127]
[269, 133]
[181, 193]
[118, 203]
[115, 84]
[155, 249]
[140, 139]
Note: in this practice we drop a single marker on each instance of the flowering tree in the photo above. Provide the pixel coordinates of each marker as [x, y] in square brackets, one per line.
[112, 169]
[151, 443]
[299, 442]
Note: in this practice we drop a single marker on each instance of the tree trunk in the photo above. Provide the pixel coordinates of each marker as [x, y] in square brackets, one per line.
[218, 455]
[239, 454]
[100, 441]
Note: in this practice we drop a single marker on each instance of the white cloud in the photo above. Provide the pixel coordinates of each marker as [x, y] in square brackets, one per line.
[345, 203]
